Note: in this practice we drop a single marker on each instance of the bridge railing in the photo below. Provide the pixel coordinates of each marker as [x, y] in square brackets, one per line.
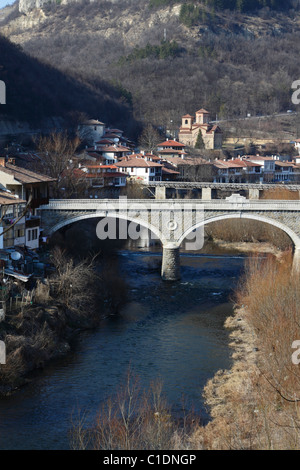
[113, 204]
[223, 186]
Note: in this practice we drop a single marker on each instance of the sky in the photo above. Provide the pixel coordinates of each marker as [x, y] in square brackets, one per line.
[3, 3]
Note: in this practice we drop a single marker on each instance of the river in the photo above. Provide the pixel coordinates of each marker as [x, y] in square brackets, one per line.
[168, 331]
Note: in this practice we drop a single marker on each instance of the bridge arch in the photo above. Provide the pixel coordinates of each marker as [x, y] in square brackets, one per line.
[293, 236]
[71, 220]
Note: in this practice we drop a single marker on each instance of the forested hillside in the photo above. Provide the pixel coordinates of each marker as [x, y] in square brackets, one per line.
[37, 91]
[168, 57]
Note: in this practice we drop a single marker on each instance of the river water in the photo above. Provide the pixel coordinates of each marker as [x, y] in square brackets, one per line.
[168, 331]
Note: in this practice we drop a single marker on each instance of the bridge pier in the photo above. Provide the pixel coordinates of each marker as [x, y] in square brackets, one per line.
[206, 194]
[254, 193]
[170, 270]
[160, 192]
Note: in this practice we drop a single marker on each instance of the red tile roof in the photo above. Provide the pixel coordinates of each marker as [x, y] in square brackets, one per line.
[137, 163]
[101, 166]
[170, 143]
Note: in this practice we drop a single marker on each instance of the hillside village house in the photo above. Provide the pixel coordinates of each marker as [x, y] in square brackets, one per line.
[11, 208]
[256, 169]
[237, 171]
[141, 168]
[23, 183]
[91, 130]
[112, 153]
[171, 148]
[101, 176]
[190, 127]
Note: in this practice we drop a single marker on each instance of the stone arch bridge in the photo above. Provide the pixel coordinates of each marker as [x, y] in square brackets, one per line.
[172, 221]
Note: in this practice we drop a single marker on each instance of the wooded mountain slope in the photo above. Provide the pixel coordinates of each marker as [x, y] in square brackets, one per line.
[168, 57]
[36, 91]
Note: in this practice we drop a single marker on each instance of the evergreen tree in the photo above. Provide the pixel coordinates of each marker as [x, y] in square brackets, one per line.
[199, 142]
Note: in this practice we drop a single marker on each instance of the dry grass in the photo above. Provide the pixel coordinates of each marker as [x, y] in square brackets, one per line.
[255, 404]
[252, 231]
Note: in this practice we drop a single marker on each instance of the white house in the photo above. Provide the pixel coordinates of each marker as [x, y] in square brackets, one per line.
[140, 168]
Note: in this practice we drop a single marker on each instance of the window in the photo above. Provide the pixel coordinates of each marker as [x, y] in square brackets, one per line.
[32, 234]
[19, 233]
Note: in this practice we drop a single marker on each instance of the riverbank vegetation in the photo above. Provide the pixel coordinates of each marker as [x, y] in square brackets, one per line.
[73, 298]
[247, 231]
[255, 405]
[134, 419]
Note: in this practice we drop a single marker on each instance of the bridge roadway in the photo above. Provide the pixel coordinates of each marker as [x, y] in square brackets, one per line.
[172, 220]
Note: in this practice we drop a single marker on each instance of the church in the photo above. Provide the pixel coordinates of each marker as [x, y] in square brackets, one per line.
[211, 135]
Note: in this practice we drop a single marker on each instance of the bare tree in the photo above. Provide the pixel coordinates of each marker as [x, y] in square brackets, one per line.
[149, 138]
[56, 151]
